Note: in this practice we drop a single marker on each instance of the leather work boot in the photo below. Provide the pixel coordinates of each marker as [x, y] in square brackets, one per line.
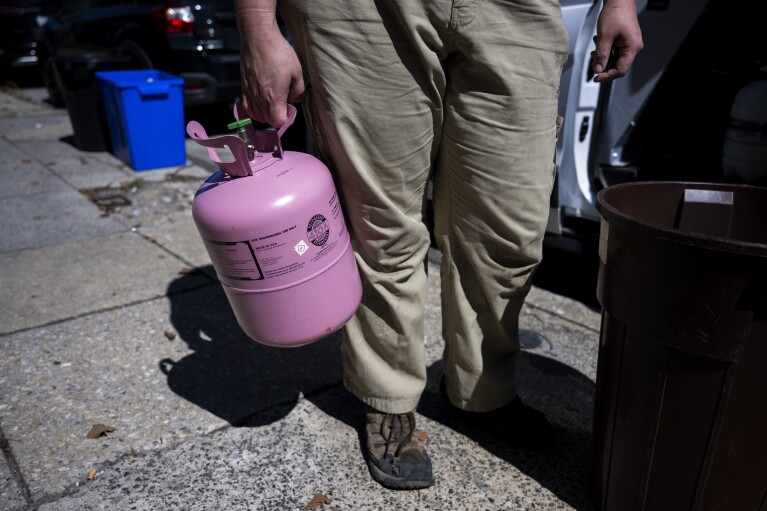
[395, 451]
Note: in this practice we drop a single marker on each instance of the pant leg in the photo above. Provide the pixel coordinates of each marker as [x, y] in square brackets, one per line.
[375, 106]
[492, 185]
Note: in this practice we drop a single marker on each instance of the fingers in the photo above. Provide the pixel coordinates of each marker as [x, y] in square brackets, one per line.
[278, 114]
[601, 55]
[275, 107]
[297, 90]
[611, 66]
[265, 107]
[253, 111]
[618, 69]
[268, 103]
[618, 64]
[613, 58]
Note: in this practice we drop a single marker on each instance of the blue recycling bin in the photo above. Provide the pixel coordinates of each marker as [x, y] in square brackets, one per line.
[145, 114]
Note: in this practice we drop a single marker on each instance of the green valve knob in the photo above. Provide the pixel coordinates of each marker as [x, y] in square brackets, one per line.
[238, 125]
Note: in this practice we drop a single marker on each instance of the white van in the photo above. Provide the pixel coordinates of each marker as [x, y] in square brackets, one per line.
[692, 108]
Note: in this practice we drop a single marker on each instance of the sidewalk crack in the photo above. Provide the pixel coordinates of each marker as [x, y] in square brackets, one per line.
[13, 467]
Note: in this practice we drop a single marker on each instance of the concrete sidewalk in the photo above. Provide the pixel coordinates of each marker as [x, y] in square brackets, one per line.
[111, 314]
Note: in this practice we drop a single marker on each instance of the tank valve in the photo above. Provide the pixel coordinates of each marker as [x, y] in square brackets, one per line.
[243, 134]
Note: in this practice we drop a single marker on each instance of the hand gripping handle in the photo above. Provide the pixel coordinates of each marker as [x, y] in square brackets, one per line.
[240, 113]
[267, 143]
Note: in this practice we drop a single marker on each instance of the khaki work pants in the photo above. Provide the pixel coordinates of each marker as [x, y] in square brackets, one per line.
[462, 92]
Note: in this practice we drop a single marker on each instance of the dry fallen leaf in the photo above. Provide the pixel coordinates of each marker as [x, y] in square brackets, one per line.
[422, 435]
[99, 430]
[318, 500]
[186, 270]
[170, 335]
[91, 474]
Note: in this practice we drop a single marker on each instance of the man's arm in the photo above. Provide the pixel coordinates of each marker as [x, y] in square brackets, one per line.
[271, 72]
[618, 40]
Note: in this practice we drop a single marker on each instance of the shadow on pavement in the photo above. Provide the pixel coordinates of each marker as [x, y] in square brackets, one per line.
[248, 384]
[230, 375]
[566, 397]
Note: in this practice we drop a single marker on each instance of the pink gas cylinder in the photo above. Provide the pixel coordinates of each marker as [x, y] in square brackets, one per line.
[272, 224]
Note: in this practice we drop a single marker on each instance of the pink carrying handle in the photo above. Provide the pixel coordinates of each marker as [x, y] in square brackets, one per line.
[240, 167]
[267, 143]
[240, 113]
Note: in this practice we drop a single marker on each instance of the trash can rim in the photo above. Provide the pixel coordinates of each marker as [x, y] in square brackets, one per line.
[612, 214]
[134, 77]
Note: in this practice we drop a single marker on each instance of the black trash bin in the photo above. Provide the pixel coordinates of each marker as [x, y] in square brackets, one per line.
[75, 75]
[680, 418]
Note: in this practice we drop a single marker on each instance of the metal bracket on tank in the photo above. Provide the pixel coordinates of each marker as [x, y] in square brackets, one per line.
[266, 145]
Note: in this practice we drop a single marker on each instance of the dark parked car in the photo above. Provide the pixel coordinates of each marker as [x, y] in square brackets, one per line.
[198, 42]
[19, 22]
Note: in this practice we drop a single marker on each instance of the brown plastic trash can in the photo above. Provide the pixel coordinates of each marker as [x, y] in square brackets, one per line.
[680, 419]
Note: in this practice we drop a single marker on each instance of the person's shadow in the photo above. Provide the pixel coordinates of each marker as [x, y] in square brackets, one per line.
[249, 385]
[566, 397]
[232, 376]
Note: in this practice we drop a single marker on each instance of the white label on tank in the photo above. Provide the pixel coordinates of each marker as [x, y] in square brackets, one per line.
[276, 257]
[301, 247]
[235, 260]
[257, 259]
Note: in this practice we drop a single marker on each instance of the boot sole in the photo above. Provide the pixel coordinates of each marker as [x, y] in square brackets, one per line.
[397, 483]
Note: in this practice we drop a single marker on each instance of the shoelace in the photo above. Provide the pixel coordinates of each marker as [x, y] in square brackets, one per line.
[391, 417]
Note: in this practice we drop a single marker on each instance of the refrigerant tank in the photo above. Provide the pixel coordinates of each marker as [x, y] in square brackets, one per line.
[272, 223]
